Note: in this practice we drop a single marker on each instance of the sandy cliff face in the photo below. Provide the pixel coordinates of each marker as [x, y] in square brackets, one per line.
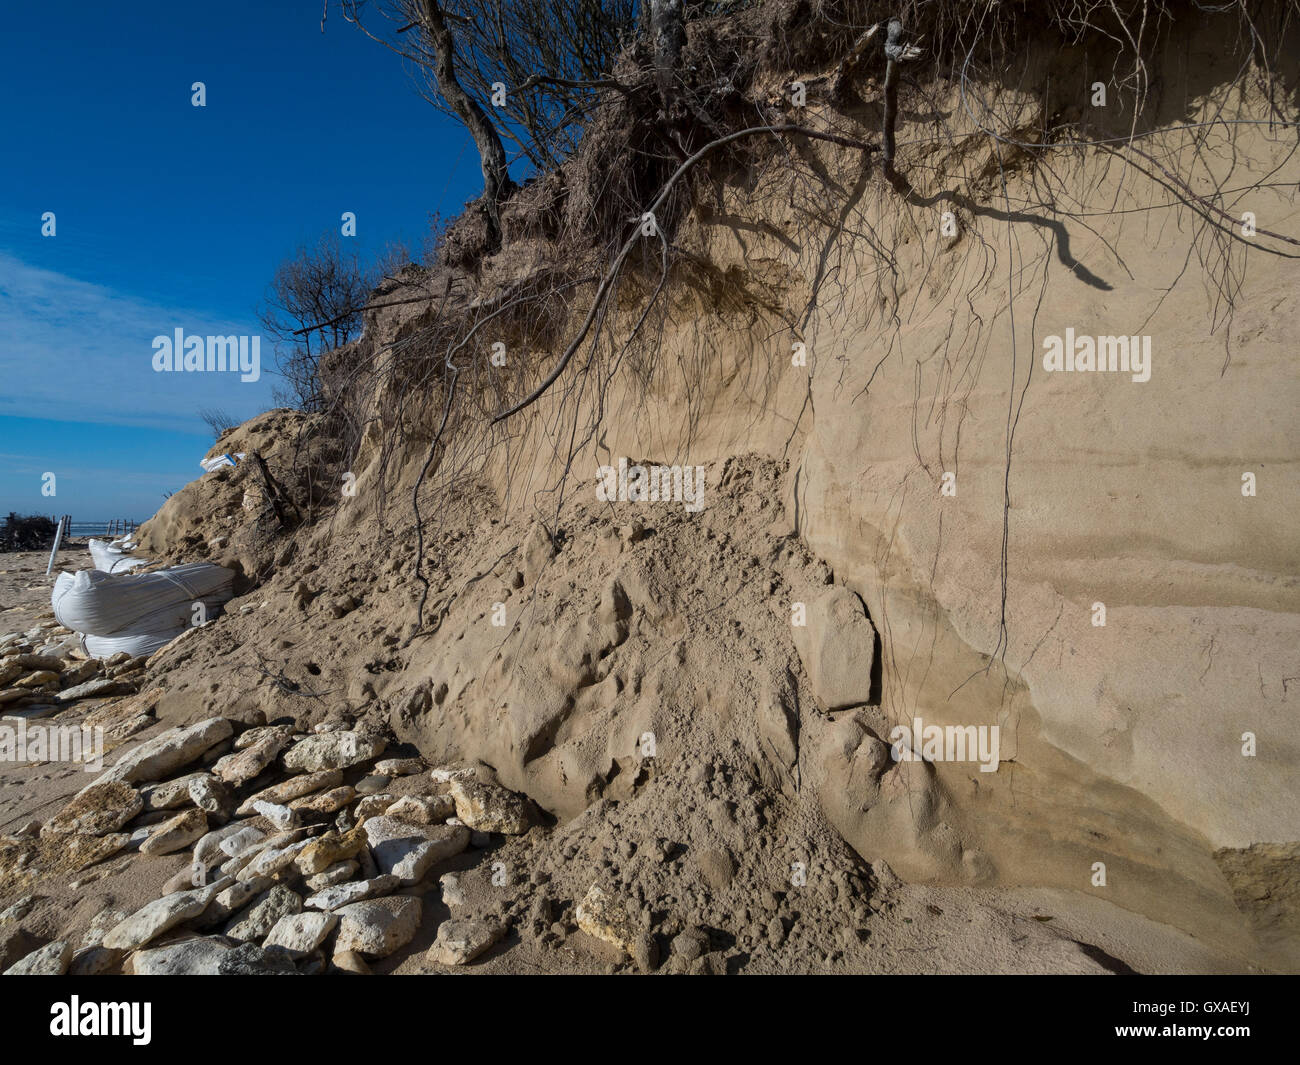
[858, 368]
[1125, 743]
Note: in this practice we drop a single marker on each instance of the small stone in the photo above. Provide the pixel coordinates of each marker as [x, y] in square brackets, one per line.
[265, 913]
[232, 900]
[400, 767]
[242, 766]
[260, 733]
[281, 817]
[326, 802]
[337, 873]
[51, 960]
[100, 809]
[445, 774]
[409, 851]
[40, 678]
[239, 842]
[333, 898]
[270, 860]
[377, 927]
[212, 796]
[422, 809]
[208, 852]
[170, 794]
[461, 941]
[293, 788]
[190, 957]
[453, 894]
[487, 808]
[330, 848]
[332, 750]
[604, 917]
[349, 961]
[162, 914]
[300, 933]
[159, 757]
[99, 688]
[176, 832]
[248, 959]
[374, 805]
[372, 784]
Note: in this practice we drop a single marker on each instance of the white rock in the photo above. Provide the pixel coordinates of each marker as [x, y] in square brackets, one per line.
[377, 927]
[280, 816]
[233, 899]
[239, 842]
[461, 941]
[344, 894]
[300, 933]
[158, 916]
[51, 960]
[271, 860]
[422, 809]
[293, 788]
[164, 754]
[190, 957]
[176, 832]
[374, 805]
[447, 773]
[409, 851]
[332, 750]
[488, 808]
[242, 766]
[170, 794]
[335, 874]
[257, 923]
[399, 767]
[453, 894]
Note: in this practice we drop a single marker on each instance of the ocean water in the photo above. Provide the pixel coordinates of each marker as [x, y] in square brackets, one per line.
[83, 529]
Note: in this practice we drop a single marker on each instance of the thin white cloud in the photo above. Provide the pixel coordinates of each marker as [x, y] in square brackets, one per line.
[76, 351]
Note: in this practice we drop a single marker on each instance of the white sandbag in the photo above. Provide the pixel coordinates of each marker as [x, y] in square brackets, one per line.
[104, 604]
[107, 646]
[112, 557]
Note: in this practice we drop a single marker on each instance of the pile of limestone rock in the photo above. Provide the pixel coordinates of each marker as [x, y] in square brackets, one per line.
[45, 669]
[291, 869]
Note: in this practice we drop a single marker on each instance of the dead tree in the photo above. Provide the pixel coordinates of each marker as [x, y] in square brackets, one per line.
[896, 52]
[668, 38]
[492, 155]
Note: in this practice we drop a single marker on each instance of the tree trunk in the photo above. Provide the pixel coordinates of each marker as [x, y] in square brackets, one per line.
[668, 32]
[492, 156]
[893, 55]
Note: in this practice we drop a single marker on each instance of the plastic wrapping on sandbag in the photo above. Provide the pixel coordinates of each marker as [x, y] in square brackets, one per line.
[113, 557]
[221, 460]
[131, 612]
[135, 646]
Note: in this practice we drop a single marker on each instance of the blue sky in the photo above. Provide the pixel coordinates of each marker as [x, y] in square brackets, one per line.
[170, 215]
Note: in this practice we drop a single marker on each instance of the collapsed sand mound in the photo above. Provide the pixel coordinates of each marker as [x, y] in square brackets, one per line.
[230, 516]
